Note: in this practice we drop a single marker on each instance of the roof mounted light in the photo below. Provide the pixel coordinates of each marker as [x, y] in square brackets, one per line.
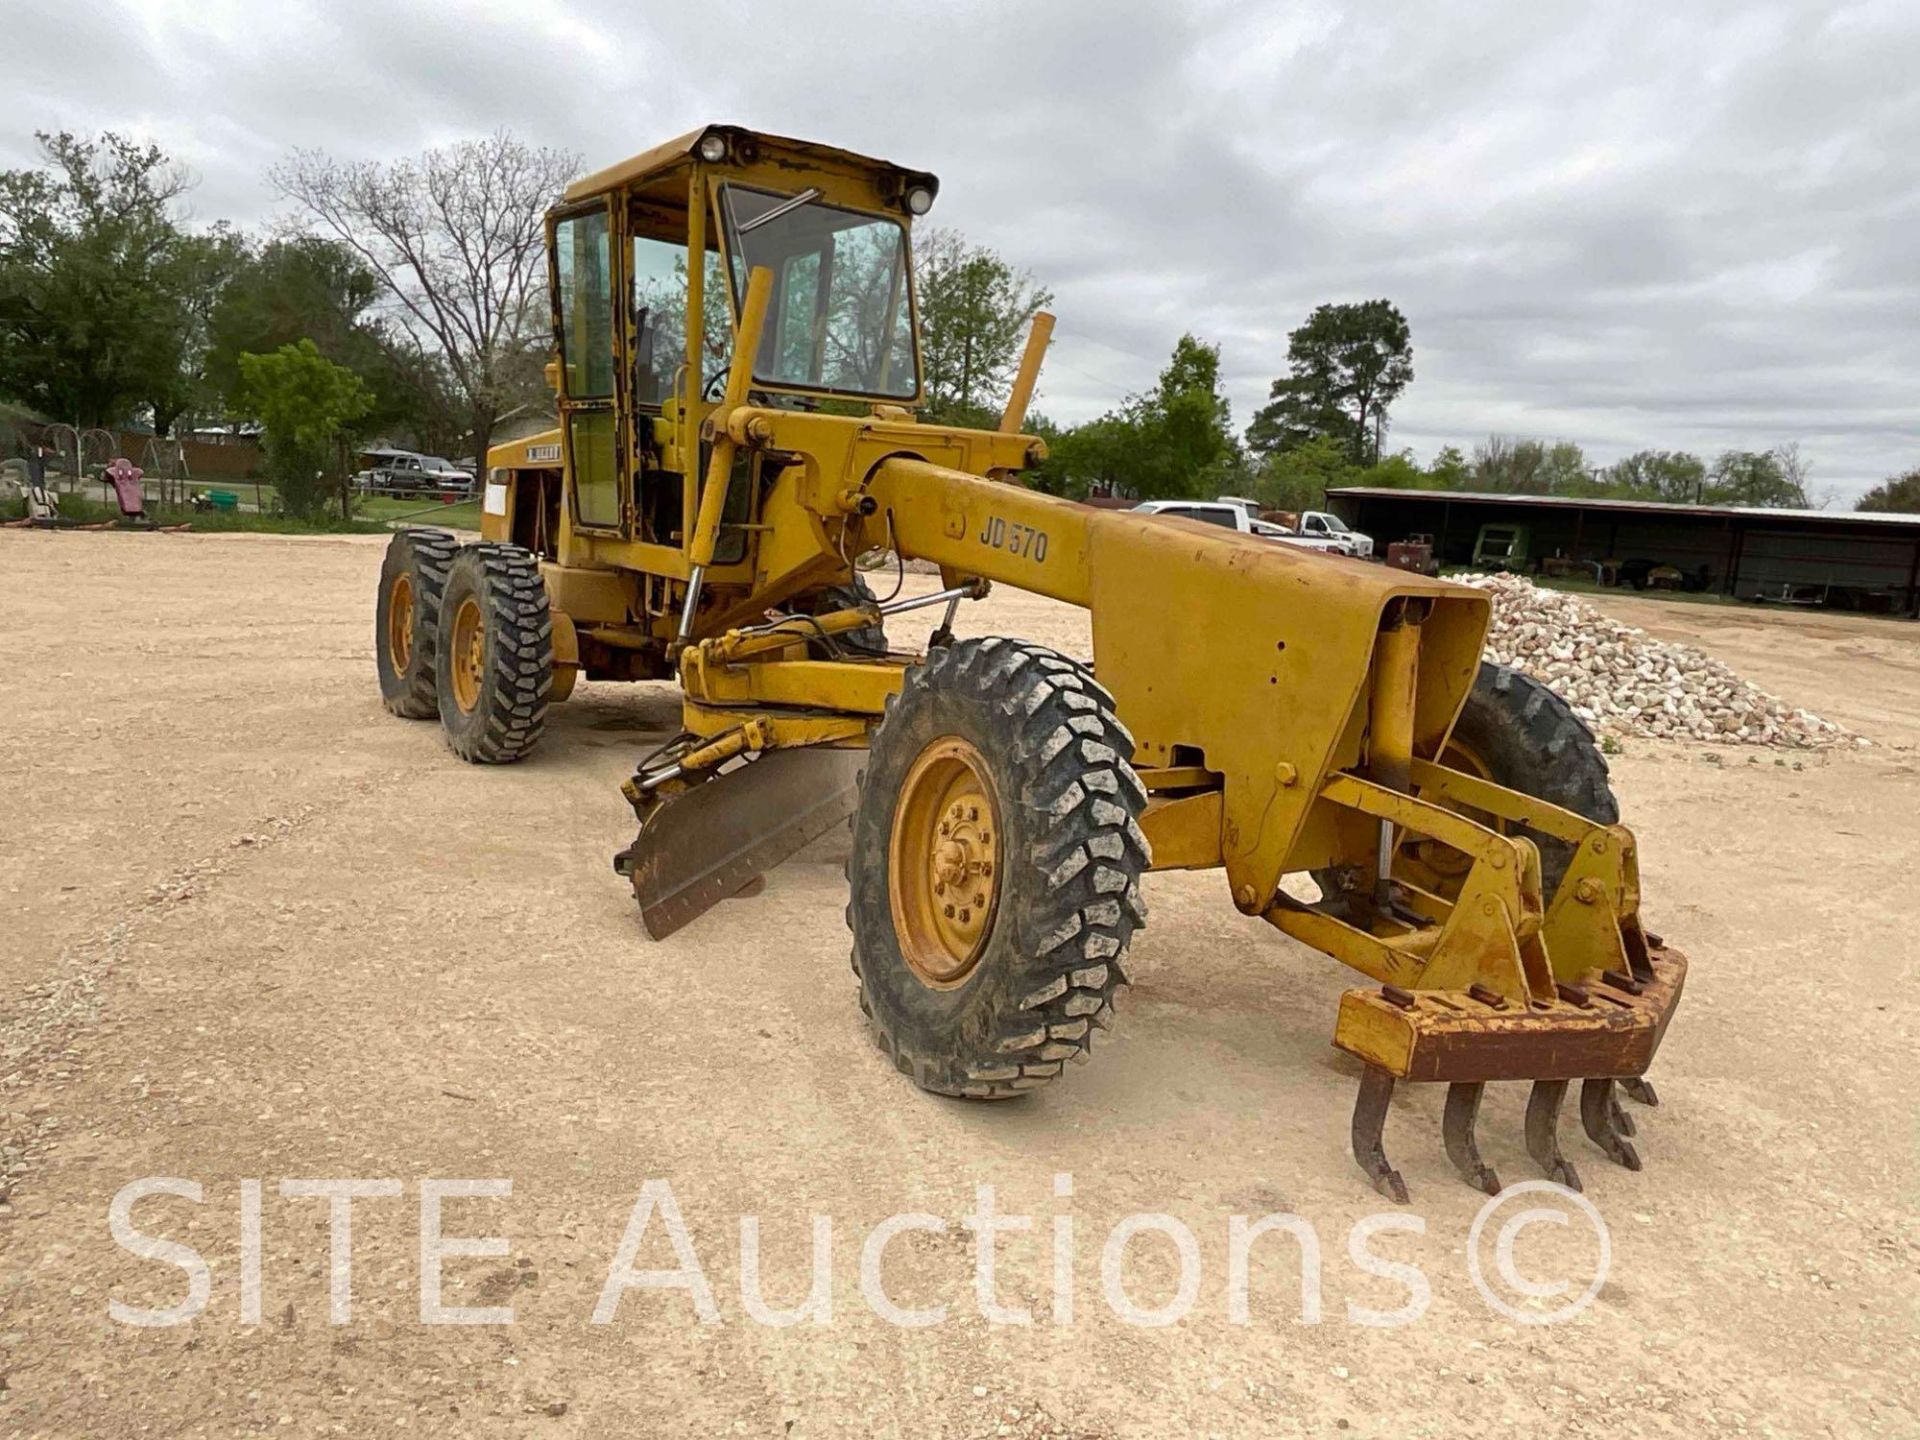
[712, 147]
[919, 199]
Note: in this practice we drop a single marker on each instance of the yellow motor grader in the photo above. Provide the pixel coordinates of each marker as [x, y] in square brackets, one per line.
[737, 371]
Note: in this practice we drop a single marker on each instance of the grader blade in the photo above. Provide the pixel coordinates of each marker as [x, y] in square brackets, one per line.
[713, 841]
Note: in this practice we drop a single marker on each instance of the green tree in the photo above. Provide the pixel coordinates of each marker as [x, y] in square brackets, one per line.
[1774, 479]
[104, 298]
[1175, 440]
[1565, 471]
[1299, 478]
[1094, 458]
[1189, 426]
[299, 289]
[1450, 470]
[1670, 475]
[1505, 465]
[1900, 494]
[304, 402]
[1531, 467]
[1347, 365]
[1394, 472]
[975, 310]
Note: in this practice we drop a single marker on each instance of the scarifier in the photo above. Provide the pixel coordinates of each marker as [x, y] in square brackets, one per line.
[737, 366]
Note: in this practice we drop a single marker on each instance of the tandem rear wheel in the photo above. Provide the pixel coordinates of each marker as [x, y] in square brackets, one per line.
[494, 654]
[466, 633]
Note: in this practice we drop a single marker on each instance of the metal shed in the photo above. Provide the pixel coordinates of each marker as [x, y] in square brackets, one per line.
[1842, 558]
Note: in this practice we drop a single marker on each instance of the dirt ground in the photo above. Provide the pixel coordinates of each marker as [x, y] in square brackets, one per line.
[253, 928]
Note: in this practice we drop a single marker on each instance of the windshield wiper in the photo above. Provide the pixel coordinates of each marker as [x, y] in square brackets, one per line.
[805, 197]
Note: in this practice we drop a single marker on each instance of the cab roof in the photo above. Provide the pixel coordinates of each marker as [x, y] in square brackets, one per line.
[746, 148]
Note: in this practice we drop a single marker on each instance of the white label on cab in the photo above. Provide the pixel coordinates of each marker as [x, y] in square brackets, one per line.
[496, 502]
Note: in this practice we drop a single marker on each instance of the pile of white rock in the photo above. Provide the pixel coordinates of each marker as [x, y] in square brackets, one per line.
[1623, 681]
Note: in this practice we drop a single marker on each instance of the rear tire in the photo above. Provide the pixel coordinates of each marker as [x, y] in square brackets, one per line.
[494, 654]
[406, 625]
[1049, 766]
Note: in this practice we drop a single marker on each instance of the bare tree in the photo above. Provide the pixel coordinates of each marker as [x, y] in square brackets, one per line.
[457, 237]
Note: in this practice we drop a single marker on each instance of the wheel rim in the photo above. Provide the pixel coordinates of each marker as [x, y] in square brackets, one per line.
[400, 623]
[469, 657]
[942, 870]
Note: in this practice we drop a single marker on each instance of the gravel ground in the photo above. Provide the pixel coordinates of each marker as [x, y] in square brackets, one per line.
[256, 929]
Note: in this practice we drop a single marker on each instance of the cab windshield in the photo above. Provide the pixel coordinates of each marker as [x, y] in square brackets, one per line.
[840, 317]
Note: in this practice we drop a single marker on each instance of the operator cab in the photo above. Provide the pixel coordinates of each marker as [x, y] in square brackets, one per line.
[648, 265]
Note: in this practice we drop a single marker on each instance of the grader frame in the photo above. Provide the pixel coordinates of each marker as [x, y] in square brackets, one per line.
[1290, 712]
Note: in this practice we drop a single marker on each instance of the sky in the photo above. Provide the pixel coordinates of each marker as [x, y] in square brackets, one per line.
[1680, 225]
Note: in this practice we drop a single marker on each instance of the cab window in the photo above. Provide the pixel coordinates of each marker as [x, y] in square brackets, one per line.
[660, 318]
[584, 270]
[840, 318]
[583, 281]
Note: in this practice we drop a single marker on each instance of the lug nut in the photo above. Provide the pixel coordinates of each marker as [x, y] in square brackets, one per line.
[980, 899]
[948, 912]
[973, 812]
[965, 916]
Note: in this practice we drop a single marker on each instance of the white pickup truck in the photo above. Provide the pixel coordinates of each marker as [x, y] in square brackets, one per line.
[1318, 529]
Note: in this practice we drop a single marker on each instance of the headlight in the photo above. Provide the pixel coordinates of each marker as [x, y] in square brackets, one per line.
[713, 147]
[919, 200]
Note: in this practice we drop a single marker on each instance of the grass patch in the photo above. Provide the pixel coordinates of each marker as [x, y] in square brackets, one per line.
[386, 509]
[270, 523]
[372, 514]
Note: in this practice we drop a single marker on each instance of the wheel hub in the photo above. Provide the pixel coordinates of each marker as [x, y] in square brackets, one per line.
[1449, 866]
[941, 862]
[400, 623]
[469, 656]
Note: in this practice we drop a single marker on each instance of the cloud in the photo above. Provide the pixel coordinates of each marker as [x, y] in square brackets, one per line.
[1637, 224]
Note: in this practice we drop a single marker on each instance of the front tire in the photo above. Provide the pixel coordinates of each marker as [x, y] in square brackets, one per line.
[995, 875]
[1517, 733]
[494, 654]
